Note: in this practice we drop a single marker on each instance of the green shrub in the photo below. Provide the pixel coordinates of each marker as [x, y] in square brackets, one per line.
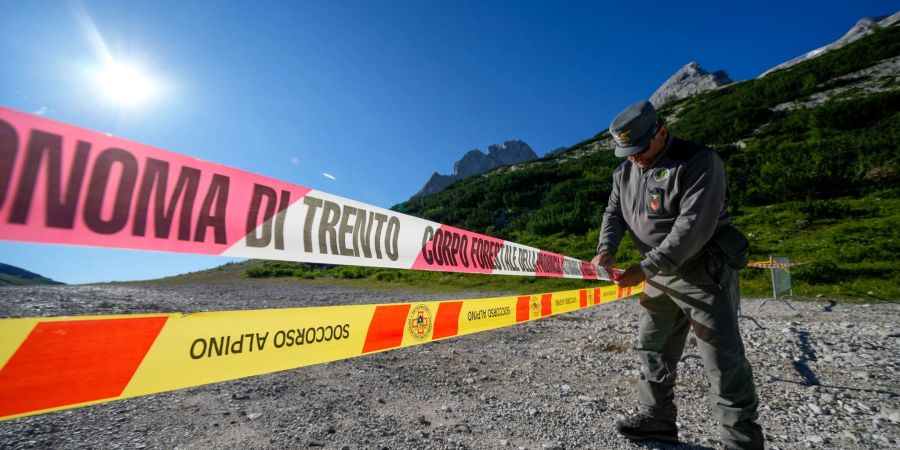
[386, 275]
[262, 272]
[352, 272]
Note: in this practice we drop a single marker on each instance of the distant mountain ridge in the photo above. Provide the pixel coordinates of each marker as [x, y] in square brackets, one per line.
[688, 81]
[863, 28]
[692, 79]
[16, 276]
[476, 162]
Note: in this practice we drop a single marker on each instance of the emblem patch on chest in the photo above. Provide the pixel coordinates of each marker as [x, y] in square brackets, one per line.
[655, 202]
[661, 174]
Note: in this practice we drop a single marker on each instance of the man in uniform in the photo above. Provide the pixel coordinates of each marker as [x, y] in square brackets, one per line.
[670, 196]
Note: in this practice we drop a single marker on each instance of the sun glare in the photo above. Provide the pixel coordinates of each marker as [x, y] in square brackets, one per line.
[126, 84]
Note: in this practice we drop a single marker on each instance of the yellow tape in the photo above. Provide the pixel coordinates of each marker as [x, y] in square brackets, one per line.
[57, 363]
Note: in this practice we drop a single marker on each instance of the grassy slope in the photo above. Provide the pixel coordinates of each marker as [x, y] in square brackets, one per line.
[15, 276]
[851, 245]
[817, 184]
[847, 258]
[12, 280]
[225, 272]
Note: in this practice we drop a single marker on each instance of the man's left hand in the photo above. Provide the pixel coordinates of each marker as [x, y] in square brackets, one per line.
[631, 277]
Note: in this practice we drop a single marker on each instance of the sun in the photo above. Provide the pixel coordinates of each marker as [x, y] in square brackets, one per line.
[126, 84]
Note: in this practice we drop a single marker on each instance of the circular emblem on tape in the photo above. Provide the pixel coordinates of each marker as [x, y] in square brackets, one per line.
[661, 174]
[419, 322]
[535, 306]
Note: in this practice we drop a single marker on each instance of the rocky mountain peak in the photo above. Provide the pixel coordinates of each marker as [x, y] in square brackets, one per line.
[472, 163]
[687, 81]
[476, 162]
[511, 152]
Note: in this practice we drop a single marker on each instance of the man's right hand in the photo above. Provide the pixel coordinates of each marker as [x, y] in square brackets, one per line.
[604, 259]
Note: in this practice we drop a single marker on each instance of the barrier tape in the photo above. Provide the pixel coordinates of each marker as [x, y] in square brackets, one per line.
[774, 265]
[56, 363]
[67, 185]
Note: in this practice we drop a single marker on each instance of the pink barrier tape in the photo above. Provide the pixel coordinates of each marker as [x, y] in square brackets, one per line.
[61, 184]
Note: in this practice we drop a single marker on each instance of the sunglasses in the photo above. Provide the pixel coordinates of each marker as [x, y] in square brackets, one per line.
[644, 150]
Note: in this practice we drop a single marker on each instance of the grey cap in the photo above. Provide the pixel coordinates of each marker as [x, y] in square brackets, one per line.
[632, 129]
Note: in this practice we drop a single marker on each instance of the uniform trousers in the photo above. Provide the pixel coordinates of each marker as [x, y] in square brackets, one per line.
[705, 296]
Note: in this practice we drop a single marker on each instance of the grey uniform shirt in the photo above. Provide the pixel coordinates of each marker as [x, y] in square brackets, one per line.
[671, 209]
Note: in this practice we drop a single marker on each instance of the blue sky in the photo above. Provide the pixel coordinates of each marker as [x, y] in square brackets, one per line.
[367, 99]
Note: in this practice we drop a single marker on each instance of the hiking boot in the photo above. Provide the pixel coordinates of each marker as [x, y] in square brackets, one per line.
[642, 428]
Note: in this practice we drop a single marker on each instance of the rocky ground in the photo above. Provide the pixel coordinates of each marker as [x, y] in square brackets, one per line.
[827, 375]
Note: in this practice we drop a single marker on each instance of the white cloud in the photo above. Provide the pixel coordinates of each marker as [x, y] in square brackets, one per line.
[41, 111]
[295, 160]
[328, 175]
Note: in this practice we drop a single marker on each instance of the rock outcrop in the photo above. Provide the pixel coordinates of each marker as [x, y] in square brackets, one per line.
[865, 27]
[476, 162]
[687, 81]
[435, 184]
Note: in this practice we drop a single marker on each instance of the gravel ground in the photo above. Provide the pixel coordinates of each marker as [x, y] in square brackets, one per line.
[827, 375]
